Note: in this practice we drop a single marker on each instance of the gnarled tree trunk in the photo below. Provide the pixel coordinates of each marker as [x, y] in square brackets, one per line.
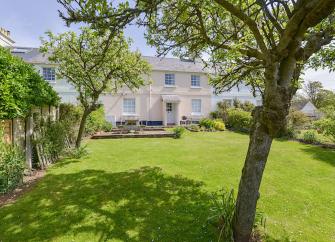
[268, 120]
[259, 147]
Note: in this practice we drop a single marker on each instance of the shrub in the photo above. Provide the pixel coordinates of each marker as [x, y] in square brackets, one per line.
[329, 111]
[237, 103]
[207, 123]
[96, 121]
[288, 133]
[70, 112]
[69, 116]
[326, 126]
[222, 215]
[194, 128]
[218, 124]
[11, 166]
[239, 120]
[77, 153]
[210, 124]
[221, 111]
[310, 136]
[178, 132]
[55, 133]
[247, 106]
[214, 115]
[107, 127]
[52, 137]
[297, 119]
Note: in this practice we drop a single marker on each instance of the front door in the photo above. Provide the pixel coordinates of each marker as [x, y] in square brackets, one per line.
[170, 113]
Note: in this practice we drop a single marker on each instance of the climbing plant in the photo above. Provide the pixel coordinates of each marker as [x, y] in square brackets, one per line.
[21, 87]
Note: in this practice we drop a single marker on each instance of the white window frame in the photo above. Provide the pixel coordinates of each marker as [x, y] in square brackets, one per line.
[51, 75]
[170, 80]
[196, 106]
[129, 106]
[195, 81]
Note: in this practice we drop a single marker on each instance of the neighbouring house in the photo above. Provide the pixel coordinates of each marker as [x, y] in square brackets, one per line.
[5, 39]
[311, 111]
[47, 70]
[243, 93]
[178, 92]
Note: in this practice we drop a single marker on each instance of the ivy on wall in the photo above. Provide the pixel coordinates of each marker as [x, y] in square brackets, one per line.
[21, 87]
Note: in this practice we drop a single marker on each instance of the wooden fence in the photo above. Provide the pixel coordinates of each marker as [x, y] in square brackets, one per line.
[19, 132]
[8, 131]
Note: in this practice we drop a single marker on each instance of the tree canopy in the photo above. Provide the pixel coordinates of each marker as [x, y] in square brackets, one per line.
[95, 62]
[21, 87]
[318, 95]
[238, 38]
[264, 43]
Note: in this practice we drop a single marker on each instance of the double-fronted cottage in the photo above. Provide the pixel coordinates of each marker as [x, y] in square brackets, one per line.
[179, 91]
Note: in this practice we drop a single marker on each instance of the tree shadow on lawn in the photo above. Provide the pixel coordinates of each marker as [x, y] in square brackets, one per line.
[135, 205]
[321, 154]
[66, 161]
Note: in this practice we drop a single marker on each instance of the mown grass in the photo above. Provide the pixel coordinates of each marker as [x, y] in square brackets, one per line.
[157, 190]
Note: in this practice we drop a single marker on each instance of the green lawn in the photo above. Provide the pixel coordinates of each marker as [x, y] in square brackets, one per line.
[157, 190]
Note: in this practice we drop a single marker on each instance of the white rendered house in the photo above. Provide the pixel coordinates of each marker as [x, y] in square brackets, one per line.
[178, 92]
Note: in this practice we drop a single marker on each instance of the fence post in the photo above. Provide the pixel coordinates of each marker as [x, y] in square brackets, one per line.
[12, 131]
[29, 132]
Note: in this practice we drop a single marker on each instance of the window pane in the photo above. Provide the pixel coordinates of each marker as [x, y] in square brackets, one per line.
[196, 105]
[169, 107]
[169, 79]
[195, 81]
[129, 105]
[49, 74]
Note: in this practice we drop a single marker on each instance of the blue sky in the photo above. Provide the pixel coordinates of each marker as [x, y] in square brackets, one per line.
[29, 19]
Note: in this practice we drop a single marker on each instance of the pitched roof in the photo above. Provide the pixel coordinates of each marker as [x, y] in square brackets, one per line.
[31, 55]
[175, 64]
[310, 110]
[34, 56]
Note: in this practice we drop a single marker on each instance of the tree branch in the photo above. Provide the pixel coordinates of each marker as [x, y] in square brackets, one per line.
[247, 20]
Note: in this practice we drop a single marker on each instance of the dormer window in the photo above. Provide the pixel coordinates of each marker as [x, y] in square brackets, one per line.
[170, 79]
[49, 74]
[195, 81]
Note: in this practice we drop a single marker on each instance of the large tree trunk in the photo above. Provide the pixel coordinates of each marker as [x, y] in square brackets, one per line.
[268, 120]
[82, 127]
[259, 147]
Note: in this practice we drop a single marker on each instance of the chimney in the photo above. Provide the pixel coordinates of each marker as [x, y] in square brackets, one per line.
[5, 32]
[5, 39]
